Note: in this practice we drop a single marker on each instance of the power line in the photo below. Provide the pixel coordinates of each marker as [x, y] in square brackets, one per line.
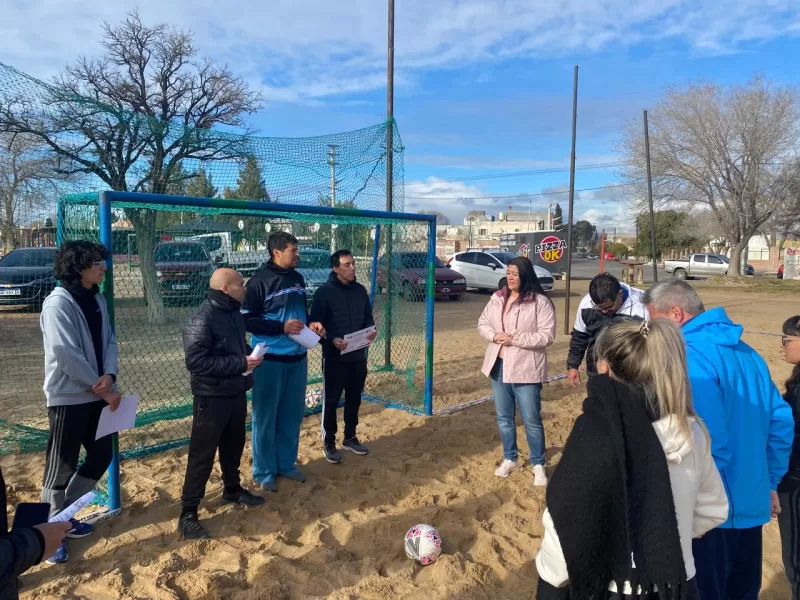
[515, 196]
[524, 173]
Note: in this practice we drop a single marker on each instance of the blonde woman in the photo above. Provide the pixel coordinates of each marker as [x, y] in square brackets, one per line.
[636, 482]
[519, 323]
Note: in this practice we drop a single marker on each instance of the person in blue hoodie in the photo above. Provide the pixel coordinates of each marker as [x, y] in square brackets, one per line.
[274, 308]
[751, 429]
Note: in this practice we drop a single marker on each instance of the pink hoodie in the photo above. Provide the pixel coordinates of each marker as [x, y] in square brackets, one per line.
[532, 323]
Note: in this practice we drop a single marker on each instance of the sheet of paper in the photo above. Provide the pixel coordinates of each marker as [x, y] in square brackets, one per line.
[358, 340]
[122, 418]
[306, 338]
[72, 509]
[259, 351]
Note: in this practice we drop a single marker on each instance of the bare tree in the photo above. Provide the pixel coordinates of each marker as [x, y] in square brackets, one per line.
[785, 221]
[27, 179]
[153, 105]
[724, 149]
[441, 219]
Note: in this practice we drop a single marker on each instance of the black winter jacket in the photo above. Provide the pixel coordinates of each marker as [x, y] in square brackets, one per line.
[19, 551]
[215, 347]
[341, 309]
[791, 481]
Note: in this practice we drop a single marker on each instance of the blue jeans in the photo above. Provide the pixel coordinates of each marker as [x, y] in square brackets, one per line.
[279, 405]
[528, 396]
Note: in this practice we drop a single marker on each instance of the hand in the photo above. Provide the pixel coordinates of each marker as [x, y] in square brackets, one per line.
[776, 505]
[113, 399]
[371, 337]
[253, 363]
[503, 339]
[340, 344]
[318, 329]
[574, 377]
[293, 326]
[53, 534]
[103, 385]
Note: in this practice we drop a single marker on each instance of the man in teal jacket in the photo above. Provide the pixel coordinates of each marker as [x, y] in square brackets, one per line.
[751, 429]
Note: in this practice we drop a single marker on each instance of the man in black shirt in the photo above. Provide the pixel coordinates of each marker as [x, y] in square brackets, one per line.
[342, 306]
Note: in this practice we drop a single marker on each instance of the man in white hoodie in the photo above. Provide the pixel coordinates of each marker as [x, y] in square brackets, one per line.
[80, 364]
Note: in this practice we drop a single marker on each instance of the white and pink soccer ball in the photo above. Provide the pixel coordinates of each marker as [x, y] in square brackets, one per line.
[423, 544]
[313, 398]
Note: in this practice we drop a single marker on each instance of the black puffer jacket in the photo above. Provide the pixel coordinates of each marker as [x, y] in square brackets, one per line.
[215, 347]
[341, 309]
[19, 551]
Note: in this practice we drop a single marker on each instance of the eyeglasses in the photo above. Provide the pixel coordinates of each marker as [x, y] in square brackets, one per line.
[99, 263]
[785, 339]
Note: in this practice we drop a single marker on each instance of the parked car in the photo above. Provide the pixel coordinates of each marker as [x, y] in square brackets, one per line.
[26, 276]
[221, 248]
[593, 256]
[609, 256]
[780, 272]
[701, 265]
[409, 270]
[486, 270]
[183, 270]
[315, 267]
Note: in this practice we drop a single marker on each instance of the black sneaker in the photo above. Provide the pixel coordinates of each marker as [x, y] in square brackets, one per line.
[242, 498]
[355, 446]
[190, 529]
[331, 453]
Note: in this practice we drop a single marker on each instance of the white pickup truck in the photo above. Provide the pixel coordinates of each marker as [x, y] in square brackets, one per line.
[222, 246]
[698, 266]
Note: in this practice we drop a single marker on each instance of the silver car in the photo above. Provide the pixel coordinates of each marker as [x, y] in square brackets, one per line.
[486, 269]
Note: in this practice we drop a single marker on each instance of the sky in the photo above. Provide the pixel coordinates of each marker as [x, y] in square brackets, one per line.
[483, 88]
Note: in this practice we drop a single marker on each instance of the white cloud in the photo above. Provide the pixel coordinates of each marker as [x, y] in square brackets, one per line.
[451, 198]
[304, 51]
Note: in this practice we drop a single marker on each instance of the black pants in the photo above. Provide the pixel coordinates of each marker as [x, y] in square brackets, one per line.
[347, 377]
[789, 522]
[728, 563]
[217, 422]
[70, 428]
[545, 591]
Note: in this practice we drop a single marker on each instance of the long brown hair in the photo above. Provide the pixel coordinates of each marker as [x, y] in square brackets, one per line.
[650, 356]
[792, 327]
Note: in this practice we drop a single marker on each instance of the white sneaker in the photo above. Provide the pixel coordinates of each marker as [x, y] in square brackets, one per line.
[506, 468]
[539, 476]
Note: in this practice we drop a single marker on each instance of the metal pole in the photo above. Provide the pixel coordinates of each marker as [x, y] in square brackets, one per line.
[571, 199]
[429, 308]
[332, 163]
[389, 181]
[114, 500]
[373, 280]
[61, 222]
[650, 198]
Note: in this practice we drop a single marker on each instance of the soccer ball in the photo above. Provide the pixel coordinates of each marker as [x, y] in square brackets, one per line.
[313, 398]
[423, 544]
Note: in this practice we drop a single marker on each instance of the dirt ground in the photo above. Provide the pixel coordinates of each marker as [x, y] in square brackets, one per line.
[340, 534]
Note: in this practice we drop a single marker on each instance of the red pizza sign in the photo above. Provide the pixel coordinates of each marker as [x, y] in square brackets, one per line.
[551, 248]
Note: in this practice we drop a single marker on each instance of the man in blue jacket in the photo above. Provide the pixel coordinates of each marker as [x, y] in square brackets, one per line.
[751, 429]
[274, 308]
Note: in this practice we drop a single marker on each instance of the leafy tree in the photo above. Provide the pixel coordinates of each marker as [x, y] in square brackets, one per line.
[671, 232]
[618, 249]
[201, 185]
[157, 105]
[583, 233]
[558, 220]
[250, 185]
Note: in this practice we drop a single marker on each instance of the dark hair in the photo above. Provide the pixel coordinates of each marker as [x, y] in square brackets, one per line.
[279, 241]
[336, 257]
[604, 287]
[75, 256]
[529, 285]
[792, 327]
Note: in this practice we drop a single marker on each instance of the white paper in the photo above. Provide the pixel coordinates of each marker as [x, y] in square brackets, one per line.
[259, 351]
[122, 418]
[72, 509]
[357, 340]
[306, 338]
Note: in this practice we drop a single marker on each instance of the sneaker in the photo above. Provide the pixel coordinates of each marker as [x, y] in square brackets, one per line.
[355, 446]
[79, 530]
[242, 498]
[506, 468]
[331, 453]
[296, 475]
[190, 529]
[61, 555]
[269, 486]
[539, 476]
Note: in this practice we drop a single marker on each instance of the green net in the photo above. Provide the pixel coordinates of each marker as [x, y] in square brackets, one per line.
[163, 255]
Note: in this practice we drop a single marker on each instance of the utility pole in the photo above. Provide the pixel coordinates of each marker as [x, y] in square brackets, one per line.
[571, 198]
[389, 180]
[332, 162]
[650, 198]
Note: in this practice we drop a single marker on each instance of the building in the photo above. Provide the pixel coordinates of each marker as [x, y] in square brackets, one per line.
[481, 230]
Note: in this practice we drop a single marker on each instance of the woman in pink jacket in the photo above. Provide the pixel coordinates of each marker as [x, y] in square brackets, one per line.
[519, 323]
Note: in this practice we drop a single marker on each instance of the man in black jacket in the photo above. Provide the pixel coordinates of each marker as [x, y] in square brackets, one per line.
[23, 548]
[342, 306]
[217, 357]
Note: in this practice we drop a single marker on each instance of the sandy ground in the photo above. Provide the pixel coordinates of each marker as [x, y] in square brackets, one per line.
[340, 534]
